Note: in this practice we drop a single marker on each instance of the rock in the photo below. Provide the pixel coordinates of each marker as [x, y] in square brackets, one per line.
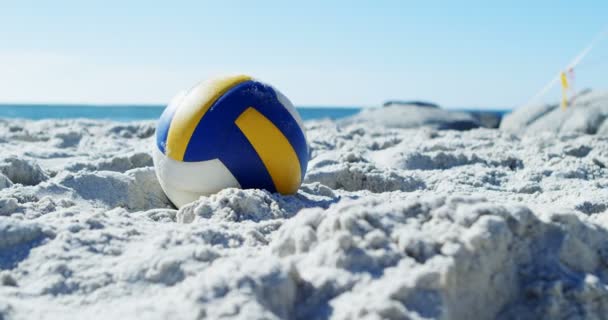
[586, 114]
[521, 118]
[412, 103]
[395, 116]
[488, 119]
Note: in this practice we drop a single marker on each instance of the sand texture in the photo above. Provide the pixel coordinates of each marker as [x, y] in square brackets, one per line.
[390, 223]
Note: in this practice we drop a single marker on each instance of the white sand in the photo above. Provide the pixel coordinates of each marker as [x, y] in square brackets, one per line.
[390, 223]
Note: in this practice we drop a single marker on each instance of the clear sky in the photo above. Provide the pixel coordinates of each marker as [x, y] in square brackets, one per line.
[493, 54]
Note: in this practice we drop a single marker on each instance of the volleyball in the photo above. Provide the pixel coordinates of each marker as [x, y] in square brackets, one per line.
[232, 131]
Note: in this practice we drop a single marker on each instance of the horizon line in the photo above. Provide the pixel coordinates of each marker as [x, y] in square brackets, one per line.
[142, 105]
[160, 105]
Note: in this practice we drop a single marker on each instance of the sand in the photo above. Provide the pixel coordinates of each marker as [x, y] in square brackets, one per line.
[389, 223]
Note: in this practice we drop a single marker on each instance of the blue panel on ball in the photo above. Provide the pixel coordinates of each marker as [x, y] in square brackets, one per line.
[217, 135]
[245, 164]
[162, 128]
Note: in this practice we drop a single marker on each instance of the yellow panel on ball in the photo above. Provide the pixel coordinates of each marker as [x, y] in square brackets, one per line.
[193, 109]
[275, 150]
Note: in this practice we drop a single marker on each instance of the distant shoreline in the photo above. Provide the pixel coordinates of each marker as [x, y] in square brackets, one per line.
[128, 112]
[135, 112]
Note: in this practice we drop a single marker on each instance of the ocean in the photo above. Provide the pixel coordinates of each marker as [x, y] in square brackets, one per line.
[130, 112]
[153, 112]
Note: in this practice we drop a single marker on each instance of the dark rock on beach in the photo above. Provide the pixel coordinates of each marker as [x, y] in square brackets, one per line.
[414, 103]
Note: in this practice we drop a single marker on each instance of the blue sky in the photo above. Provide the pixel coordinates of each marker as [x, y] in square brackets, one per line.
[460, 54]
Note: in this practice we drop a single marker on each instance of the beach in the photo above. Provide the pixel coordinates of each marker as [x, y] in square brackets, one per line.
[313, 160]
[390, 222]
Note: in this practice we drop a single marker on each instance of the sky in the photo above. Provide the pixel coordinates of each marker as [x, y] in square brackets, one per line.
[461, 54]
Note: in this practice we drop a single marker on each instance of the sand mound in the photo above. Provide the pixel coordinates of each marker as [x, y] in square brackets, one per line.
[119, 163]
[137, 189]
[457, 257]
[23, 171]
[255, 205]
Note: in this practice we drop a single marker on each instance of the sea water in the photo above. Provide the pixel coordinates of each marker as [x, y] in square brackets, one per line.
[130, 112]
